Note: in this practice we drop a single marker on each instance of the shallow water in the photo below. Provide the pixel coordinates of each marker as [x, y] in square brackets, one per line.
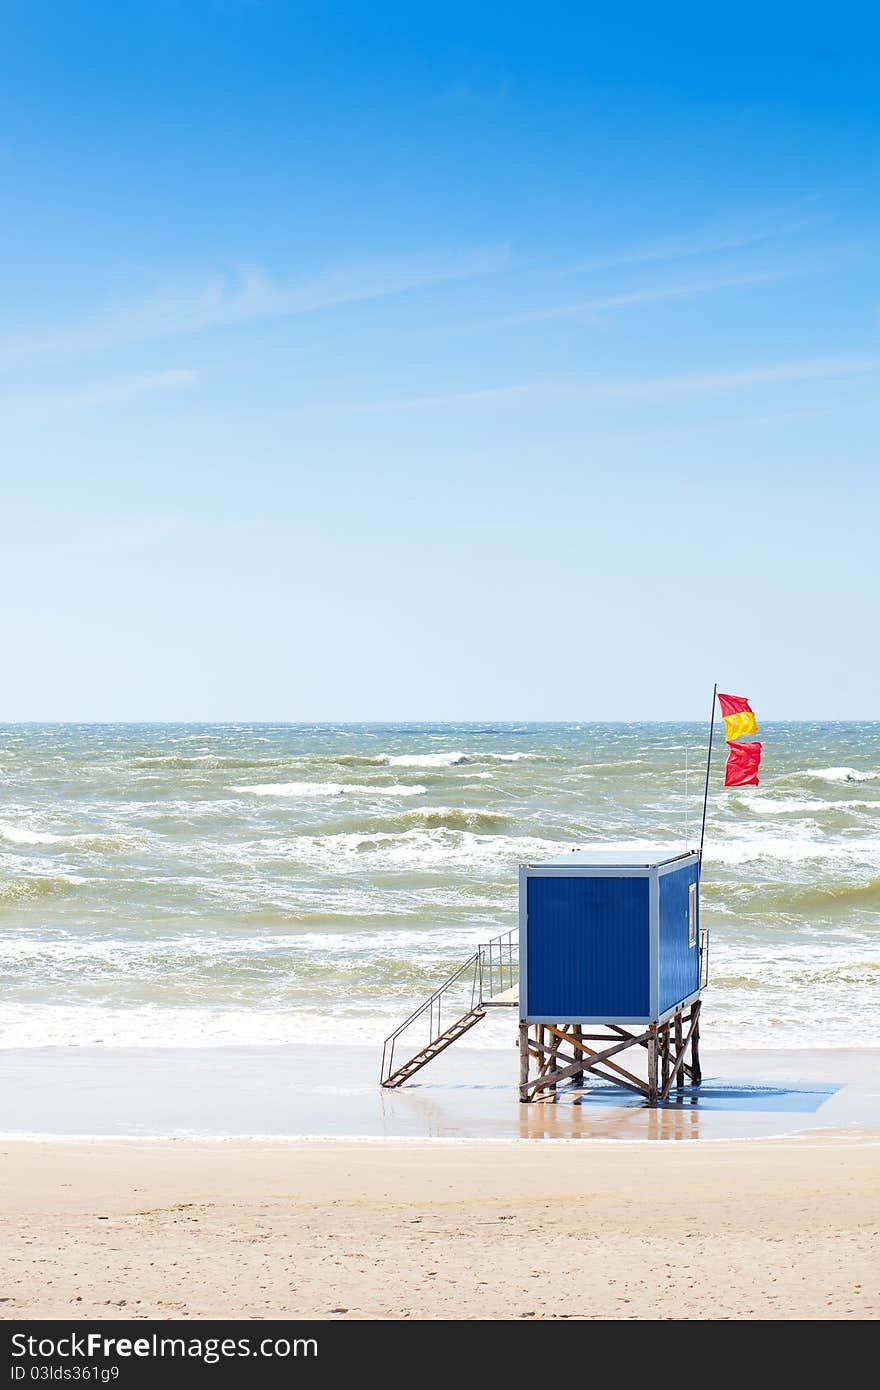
[279, 1093]
[244, 884]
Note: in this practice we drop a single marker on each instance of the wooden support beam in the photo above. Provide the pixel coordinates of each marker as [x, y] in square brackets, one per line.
[591, 1065]
[632, 1084]
[665, 1092]
[523, 1061]
[578, 1080]
[679, 1052]
[696, 1070]
[562, 1052]
[652, 1064]
[591, 1051]
[549, 1052]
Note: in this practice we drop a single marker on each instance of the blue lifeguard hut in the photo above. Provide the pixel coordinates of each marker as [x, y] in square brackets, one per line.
[609, 943]
[609, 956]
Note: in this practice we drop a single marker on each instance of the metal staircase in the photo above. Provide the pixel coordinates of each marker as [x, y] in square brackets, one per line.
[487, 978]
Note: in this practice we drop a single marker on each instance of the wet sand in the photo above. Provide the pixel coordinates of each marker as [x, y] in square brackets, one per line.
[467, 1093]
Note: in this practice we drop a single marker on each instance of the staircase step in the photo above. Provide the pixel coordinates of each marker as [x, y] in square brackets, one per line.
[433, 1048]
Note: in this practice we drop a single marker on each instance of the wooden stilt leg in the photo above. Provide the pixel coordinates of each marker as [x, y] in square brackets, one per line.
[523, 1062]
[565, 1052]
[696, 1071]
[652, 1064]
[578, 1076]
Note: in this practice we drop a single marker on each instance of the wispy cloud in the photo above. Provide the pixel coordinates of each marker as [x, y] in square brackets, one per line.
[735, 378]
[109, 391]
[186, 306]
[706, 243]
[594, 309]
[126, 388]
[599, 391]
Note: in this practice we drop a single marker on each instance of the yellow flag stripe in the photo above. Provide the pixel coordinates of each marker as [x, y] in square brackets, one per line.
[739, 724]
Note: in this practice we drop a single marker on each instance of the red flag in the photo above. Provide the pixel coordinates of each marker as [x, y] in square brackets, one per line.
[743, 761]
[733, 704]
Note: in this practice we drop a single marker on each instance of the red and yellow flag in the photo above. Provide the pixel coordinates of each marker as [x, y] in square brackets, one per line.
[739, 718]
[743, 761]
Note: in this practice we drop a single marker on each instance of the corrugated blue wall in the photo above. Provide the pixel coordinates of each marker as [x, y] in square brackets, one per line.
[679, 962]
[588, 947]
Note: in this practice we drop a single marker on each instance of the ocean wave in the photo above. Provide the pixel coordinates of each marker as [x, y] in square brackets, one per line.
[19, 835]
[840, 774]
[824, 895]
[791, 850]
[310, 789]
[455, 759]
[432, 818]
[25, 889]
[207, 761]
[426, 759]
[167, 1026]
[347, 760]
[507, 758]
[420, 848]
[857, 972]
[760, 805]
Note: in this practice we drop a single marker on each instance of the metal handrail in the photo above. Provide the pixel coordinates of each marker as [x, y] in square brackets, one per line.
[704, 957]
[434, 1001]
[499, 968]
[494, 965]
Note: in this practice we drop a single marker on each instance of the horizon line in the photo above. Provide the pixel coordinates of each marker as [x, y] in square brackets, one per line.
[380, 723]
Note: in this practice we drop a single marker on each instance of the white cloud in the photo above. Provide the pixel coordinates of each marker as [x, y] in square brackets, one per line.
[733, 378]
[187, 306]
[126, 388]
[593, 309]
[556, 392]
[707, 243]
[109, 391]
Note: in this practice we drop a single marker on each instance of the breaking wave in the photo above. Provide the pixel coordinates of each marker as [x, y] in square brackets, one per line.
[37, 886]
[310, 789]
[824, 895]
[18, 835]
[434, 818]
[840, 774]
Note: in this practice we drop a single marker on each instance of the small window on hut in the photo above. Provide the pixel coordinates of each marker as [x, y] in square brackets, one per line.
[692, 915]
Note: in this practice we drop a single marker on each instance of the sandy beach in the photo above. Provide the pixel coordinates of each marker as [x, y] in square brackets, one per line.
[769, 1229]
[132, 1185]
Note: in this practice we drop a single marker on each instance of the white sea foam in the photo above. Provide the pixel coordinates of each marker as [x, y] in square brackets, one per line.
[425, 759]
[840, 774]
[775, 806]
[177, 758]
[19, 835]
[310, 789]
[791, 849]
[452, 759]
[506, 757]
[417, 849]
[769, 806]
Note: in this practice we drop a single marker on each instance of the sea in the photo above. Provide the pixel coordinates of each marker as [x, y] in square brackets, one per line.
[257, 884]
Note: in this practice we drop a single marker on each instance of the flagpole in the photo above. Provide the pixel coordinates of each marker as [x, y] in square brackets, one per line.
[708, 765]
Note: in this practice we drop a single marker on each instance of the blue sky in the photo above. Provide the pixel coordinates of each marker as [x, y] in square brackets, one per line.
[379, 361]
